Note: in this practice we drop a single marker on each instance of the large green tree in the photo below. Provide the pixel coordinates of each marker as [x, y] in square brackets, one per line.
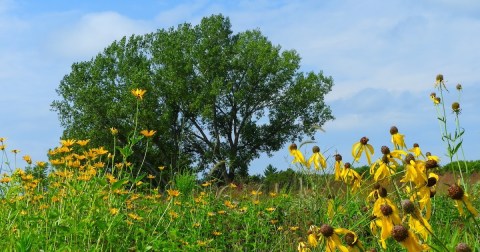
[217, 99]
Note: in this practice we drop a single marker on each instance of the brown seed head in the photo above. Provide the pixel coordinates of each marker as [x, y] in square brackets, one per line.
[409, 158]
[430, 164]
[348, 165]
[382, 192]
[387, 210]
[415, 145]
[393, 130]
[385, 159]
[326, 230]
[376, 186]
[400, 233]
[364, 140]
[462, 247]
[349, 239]
[456, 107]
[293, 146]
[428, 154]
[385, 150]
[408, 206]
[459, 87]
[433, 94]
[338, 157]
[439, 78]
[315, 149]
[431, 181]
[455, 192]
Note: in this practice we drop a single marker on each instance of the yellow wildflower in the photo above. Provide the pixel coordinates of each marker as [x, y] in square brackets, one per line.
[27, 159]
[361, 146]
[317, 159]
[138, 93]
[114, 211]
[114, 131]
[148, 133]
[407, 239]
[297, 155]
[457, 193]
[398, 139]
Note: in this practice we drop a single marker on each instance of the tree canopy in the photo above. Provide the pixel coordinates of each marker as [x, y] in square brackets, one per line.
[217, 99]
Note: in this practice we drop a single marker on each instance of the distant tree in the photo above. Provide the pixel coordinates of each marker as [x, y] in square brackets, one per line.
[269, 171]
[216, 99]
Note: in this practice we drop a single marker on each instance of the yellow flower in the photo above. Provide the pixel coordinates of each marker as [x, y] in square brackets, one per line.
[456, 193]
[351, 177]
[416, 221]
[417, 152]
[398, 139]
[271, 209]
[114, 211]
[317, 159]
[138, 93]
[2, 139]
[361, 146]
[338, 167]
[161, 168]
[173, 193]
[353, 243]
[297, 155]
[114, 131]
[135, 216]
[216, 233]
[2, 147]
[15, 151]
[414, 171]
[150, 176]
[27, 159]
[148, 133]
[329, 237]
[83, 142]
[407, 239]
[302, 247]
[388, 214]
[67, 142]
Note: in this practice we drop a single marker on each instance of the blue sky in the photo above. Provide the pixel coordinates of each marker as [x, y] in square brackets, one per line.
[383, 56]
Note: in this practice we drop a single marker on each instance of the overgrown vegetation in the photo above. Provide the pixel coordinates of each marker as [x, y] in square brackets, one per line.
[86, 198]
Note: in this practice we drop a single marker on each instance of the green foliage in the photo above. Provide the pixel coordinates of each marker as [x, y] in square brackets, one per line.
[472, 166]
[212, 96]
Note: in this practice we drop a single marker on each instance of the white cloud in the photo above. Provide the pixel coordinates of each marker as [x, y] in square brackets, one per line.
[93, 32]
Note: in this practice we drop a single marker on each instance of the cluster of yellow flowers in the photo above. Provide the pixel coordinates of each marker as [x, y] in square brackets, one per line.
[410, 227]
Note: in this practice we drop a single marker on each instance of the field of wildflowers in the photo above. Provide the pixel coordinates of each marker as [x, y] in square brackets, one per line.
[82, 200]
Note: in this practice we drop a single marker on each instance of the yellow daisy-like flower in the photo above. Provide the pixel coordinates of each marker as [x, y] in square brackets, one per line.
[351, 177]
[302, 247]
[353, 243]
[407, 239]
[457, 193]
[83, 142]
[138, 93]
[173, 193]
[67, 142]
[114, 131]
[417, 152]
[148, 133]
[330, 237]
[114, 211]
[398, 139]
[27, 159]
[388, 215]
[360, 147]
[297, 155]
[317, 159]
[416, 222]
[338, 167]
